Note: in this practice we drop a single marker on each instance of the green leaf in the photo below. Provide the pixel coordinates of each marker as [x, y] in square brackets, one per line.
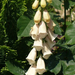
[64, 65]
[14, 69]
[70, 34]
[24, 25]
[53, 65]
[56, 4]
[57, 68]
[70, 70]
[71, 3]
[56, 28]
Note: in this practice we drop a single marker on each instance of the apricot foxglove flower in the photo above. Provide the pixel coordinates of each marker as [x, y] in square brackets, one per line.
[49, 1]
[32, 56]
[49, 42]
[73, 16]
[34, 32]
[46, 51]
[31, 70]
[37, 17]
[35, 4]
[38, 44]
[46, 16]
[51, 25]
[43, 3]
[42, 30]
[51, 35]
[40, 66]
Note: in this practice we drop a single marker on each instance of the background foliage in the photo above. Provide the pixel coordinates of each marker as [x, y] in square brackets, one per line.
[16, 20]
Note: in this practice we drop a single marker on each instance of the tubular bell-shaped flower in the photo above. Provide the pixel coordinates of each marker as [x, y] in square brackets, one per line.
[37, 17]
[38, 44]
[31, 70]
[49, 42]
[51, 25]
[49, 1]
[32, 56]
[40, 66]
[34, 32]
[46, 16]
[42, 30]
[46, 51]
[51, 35]
[35, 4]
[43, 3]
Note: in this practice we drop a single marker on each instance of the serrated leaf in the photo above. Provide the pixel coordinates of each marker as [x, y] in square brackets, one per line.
[56, 28]
[24, 25]
[70, 34]
[56, 4]
[14, 69]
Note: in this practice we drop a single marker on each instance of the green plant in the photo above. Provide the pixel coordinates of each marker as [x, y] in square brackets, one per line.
[16, 20]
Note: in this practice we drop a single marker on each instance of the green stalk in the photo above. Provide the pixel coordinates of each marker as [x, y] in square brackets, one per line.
[64, 16]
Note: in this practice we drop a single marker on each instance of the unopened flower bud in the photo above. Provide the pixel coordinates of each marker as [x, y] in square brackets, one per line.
[32, 56]
[35, 4]
[46, 16]
[37, 17]
[38, 44]
[43, 3]
[42, 30]
[40, 66]
[46, 51]
[34, 32]
[49, 42]
[49, 1]
[51, 35]
[31, 70]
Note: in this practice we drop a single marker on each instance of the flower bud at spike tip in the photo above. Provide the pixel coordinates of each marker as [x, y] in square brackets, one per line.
[43, 3]
[35, 4]
[46, 51]
[40, 66]
[37, 17]
[42, 30]
[32, 56]
[31, 70]
[49, 1]
[34, 32]
[46, 16]
[38, 44]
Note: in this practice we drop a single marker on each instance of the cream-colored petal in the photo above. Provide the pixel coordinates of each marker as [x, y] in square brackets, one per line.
[34, 32]
[35, 4]
[73, 16]
[49, 42]
[46, 16]
[42, 30]
[37, 17]
[40, 66]
[51, 24]
[43, 3]
[38, 44]
[32, 56]
[31, 71]
[49, 1]
[51, 35]
[46, 51]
